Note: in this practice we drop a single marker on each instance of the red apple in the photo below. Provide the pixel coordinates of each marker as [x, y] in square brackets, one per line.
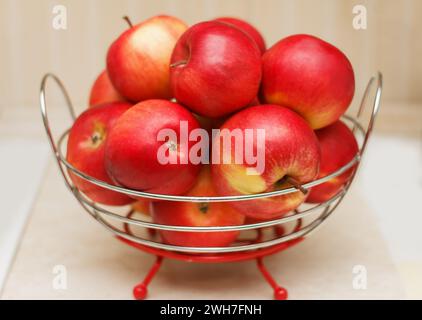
[310, 76]
[246, 27]
[142, 206]
[132, 153]
[338, 147]
[138, 61]
[204, 214]
[215, 69]
[288, 155]
[102, 91]
[85, 151]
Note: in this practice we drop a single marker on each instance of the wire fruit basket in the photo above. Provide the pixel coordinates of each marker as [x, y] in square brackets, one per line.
[263, 238]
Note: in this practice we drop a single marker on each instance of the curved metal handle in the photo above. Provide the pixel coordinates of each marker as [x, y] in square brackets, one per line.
[375, 108]
[374, 112]
[43, 108]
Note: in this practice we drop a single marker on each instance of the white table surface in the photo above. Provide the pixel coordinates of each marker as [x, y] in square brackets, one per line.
[21, 178]
[61, 235]
[390, 182]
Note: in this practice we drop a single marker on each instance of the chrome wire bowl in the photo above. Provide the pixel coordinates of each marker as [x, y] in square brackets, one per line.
[285, 231]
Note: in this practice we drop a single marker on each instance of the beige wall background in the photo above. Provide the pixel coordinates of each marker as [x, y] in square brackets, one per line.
[30, 46]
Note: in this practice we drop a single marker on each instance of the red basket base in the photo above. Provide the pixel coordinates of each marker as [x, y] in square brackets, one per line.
[140, 291]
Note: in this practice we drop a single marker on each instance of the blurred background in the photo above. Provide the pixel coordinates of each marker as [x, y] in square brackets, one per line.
[391, 177]
[31, 46]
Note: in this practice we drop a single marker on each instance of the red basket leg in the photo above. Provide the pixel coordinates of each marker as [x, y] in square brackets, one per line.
[280, 293]
[140, 291]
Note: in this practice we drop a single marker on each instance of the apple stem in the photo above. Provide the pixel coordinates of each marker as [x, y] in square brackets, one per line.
[178, 63]
[297, 185]
[126, 18]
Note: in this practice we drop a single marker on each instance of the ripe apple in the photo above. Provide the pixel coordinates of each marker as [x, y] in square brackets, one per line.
[142, 206]
[215, 69]
[138, 61]
[133, 148]
[338, 147]
[310, 76]
[246, 27]
[85, 151]
[289, 155]
[204, 214]
[102, 91]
